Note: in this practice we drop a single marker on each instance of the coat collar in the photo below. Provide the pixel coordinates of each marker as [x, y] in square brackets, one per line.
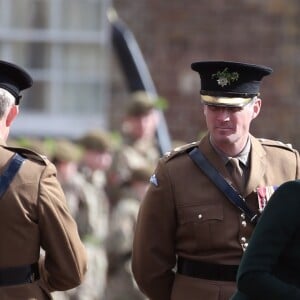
[213, 156]
[257, 165]
[257, 162]
[2, 142]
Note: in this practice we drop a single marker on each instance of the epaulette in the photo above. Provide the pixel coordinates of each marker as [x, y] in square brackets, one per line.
[274, 143]
[29, 154]
[179, 150]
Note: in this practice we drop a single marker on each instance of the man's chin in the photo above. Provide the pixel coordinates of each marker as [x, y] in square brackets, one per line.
[224, 139]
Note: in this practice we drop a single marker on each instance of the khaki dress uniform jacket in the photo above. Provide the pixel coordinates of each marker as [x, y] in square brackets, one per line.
[34, 219]
[184, 214]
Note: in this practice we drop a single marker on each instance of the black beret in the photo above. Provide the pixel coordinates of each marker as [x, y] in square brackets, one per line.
[14, 79]
[229, 83]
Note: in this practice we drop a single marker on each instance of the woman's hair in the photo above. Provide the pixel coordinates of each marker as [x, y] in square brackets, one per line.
[6, 101]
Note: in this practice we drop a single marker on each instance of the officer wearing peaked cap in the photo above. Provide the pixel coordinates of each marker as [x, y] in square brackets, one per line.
[33, 212]
[186, 222]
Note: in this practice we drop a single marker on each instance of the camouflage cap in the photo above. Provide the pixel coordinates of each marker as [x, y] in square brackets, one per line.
[96, 140]
[140, 104]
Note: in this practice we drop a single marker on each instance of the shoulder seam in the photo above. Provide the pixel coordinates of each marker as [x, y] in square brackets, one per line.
[179, 150]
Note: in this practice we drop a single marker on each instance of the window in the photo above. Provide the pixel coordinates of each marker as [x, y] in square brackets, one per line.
[64, 45]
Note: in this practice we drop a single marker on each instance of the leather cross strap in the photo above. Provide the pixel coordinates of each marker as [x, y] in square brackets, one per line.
[10, 171]
[234, 197]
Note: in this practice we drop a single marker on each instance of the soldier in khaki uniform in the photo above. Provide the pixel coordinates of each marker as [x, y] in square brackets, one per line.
[189, 236]
[33, 212]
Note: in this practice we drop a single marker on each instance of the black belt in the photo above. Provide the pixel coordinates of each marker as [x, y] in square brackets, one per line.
[208, 271]
[19, 275]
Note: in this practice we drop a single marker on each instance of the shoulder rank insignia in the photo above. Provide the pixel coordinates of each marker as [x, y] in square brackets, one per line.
[264, 194]
[153, 180]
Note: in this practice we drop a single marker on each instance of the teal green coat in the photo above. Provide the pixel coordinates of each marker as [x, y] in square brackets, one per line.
[270, 267]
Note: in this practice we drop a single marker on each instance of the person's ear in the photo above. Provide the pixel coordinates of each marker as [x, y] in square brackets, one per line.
[13, 112]
[256, 108]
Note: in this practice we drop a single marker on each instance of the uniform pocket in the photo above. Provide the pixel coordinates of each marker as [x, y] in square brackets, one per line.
[200, 223]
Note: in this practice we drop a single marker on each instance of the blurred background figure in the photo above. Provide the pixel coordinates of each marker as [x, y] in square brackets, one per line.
[66, 156]
[82, 170]
[95, 161]
[120, 282]
[139, 147]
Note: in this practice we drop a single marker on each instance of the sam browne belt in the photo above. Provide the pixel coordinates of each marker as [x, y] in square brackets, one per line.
[19, 275]
[207, 271]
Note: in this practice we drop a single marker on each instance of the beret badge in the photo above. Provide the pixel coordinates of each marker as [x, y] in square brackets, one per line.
[225, 77]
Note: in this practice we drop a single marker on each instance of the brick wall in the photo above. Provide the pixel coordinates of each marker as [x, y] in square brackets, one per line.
[173, 34]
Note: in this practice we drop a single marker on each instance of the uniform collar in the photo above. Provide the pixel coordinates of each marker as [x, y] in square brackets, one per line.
[243, 156]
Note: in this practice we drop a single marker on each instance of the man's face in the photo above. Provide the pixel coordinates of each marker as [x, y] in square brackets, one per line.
[96, 160]
[141, 127]
[229, 126]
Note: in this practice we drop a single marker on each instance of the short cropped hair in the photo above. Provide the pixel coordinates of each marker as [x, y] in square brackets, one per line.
[6, 101]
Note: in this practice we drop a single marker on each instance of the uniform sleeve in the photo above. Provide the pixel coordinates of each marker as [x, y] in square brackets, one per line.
[65, 261]
[154, 247]
[260, 273]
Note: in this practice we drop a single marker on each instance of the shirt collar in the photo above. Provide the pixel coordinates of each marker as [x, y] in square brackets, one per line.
[243, 156]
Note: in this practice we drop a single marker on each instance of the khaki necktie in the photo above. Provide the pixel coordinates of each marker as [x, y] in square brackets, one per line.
[237, 174]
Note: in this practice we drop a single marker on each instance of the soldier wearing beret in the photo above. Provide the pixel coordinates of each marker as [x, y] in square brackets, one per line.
[66, 156]
[96, 159]
[33, 212]
[120, 284]
[139, 146]
[200, 209]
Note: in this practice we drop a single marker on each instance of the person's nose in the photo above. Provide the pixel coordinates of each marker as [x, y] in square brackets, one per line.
[223, 115]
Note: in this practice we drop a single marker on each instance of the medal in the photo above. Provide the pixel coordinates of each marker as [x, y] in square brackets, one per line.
[264, 194]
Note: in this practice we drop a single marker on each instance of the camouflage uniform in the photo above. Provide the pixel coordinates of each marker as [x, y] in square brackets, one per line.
[121, 285]
[138, 149]
[95, 143]
[89, 206]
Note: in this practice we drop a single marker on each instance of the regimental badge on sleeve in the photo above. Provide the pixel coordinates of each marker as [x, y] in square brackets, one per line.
[264, 194]
[153, 180]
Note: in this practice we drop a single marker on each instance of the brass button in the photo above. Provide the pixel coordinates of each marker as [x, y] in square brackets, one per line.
[243, 239]
[200, 216]
[244, 223]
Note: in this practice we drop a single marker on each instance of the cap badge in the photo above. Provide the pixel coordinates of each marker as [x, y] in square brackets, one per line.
[225, 77]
